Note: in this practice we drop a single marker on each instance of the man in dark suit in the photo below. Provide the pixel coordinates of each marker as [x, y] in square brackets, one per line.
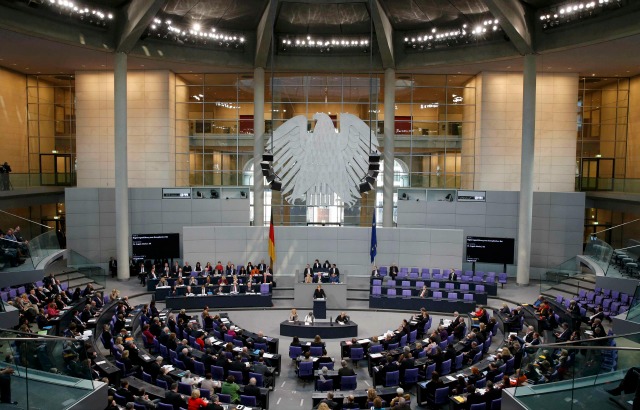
[565, 334]
[393, 271]
[375, 272]
[124, 391]
[262, 267]
[468, 357]
[252, 390]
[329, 401]
[155, 368]
[453, 275]
[334, 269]
[345, 370]
[307, 271]
[174, 398]
[261, 368]
[317, 266]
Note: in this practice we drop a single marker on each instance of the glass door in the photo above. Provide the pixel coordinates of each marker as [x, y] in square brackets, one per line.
[57, 169]
[597, 174]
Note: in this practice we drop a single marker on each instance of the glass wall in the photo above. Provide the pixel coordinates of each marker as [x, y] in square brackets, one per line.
[434, 113]
[435, 116]
[214, 128]
[603, 106]
[52, 129]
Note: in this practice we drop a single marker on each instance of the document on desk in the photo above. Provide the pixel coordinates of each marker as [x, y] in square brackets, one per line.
[451, 378]
[362, 341]
[375, 355]
[101, 362]
[268, 356]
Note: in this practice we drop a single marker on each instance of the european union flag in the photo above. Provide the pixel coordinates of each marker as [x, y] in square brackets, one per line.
[374, 240]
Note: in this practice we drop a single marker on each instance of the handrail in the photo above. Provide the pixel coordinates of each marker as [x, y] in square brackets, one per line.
[577, 342]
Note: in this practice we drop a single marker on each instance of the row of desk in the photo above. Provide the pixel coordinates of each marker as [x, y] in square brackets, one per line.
[163, 292]
[219, 301]
[489, 288]
[326, 330]
[413, 303]
[477, 296]
[152, 284]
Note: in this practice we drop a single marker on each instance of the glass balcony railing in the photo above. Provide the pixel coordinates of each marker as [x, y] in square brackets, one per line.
[47, 372]
[31, 180]
[32, 254]
[577, 374]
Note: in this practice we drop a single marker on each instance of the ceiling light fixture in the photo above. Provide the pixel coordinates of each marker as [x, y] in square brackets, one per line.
[198, 34]
[436, 37]
[74, 9]
[324, 44]
[574, 11]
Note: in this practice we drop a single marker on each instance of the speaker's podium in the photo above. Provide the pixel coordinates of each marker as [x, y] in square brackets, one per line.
[320, 308]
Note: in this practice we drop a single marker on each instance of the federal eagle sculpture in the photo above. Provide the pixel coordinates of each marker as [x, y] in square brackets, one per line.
[314, 165]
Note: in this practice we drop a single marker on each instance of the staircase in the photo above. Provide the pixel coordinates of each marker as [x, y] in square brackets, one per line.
[77, 271]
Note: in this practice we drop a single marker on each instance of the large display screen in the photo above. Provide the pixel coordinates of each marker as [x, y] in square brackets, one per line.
[490, 250]
[155, 246]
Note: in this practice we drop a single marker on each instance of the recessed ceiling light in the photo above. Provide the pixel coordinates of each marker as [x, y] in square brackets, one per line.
[593, 74]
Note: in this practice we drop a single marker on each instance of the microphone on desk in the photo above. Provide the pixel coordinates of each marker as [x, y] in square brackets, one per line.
[330, 320]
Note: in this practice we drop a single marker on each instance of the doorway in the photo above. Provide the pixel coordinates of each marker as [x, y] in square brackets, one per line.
[57, 169]
[596, 174]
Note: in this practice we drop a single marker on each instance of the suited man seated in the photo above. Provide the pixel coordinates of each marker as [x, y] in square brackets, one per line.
[334, 270]
[453, 275]
[174, 398]
[252, 390]
[307, 272]
[563, 335]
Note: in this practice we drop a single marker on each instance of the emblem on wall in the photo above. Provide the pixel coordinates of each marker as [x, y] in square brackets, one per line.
[313, 165]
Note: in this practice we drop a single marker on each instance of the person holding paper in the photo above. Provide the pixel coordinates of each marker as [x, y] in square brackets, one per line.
[309, 317]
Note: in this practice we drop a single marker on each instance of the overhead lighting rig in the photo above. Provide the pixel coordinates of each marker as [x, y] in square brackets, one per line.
[77, 10]
[324, 44]
[575, 11]
[165, 29]
[437, 37]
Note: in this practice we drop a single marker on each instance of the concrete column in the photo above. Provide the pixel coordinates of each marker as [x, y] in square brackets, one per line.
[258, 146]
[389, 149]
[123, 236]
[525, 213]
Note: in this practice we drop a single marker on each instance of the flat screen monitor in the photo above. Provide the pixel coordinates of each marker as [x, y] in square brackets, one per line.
[155, 246]
[490, 250]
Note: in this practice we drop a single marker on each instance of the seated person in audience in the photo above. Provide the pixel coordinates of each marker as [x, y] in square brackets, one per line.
[252, 390]
[293, 315]
[325, 358]
[334, 278]
[235, 286]
[460, 386]
[308, 278]
[481, 314]
[599, 314]
[231, 388]
[482, 334]
[424, 292]
[491, 393]
[349, 402]
[326, 265]
[192, 281]
[375, 272]
[328, 403]
[345, 370]
[434, 384]
[459, 329]
[162, 283]
[219, 268]
[393, 271]
[505, 309]
[474, 376]
[174, 398]
[317, 266]
[471, 353]
[528, 337]
[473, 397]
[255, 271]
[492, 371]
[179, 282]
[189, 291]
[342, 318]
[564, 334]
[538, 302]
[453, 276]
[374, 341]
[203, 290]
[536, 340]
[307, 271]
[404, 328]
[242, 271]
[467, 341]
[317, 341]
[400, 394]
[223, 280]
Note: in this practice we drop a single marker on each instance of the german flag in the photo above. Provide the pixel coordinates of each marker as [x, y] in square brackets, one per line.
[272, 242]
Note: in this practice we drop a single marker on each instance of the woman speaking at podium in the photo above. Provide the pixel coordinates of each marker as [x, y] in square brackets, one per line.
[319, 293]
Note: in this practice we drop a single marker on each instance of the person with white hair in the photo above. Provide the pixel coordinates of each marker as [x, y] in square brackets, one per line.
[399, 395]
